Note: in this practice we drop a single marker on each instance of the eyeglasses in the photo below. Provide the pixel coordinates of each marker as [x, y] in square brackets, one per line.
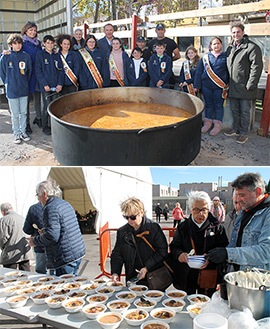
[197, 210]
[132, 217]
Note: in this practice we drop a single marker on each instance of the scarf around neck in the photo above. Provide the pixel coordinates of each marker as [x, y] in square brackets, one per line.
[34, 41]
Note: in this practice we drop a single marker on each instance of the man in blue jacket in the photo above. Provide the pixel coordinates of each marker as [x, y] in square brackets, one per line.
[61, 235]
[105, 43]
[250, 239]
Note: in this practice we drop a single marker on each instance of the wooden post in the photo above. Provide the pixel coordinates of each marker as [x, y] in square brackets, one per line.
[134, 31]
[265, 120]
[85, 28]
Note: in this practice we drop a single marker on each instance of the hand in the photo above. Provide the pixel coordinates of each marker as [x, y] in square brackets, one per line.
[183, 258]
[205, 264]
[142, 273]
[58, 88]
[31, 242]
[47, 88]
[196, 90]
[217, 255]
[6, 52]
[115, 277]
[160, 83]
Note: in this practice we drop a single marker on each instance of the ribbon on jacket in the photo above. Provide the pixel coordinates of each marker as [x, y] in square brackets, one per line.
[115, 70]
[212, 75]
[92, 67]
[188, 76]
[72, 77]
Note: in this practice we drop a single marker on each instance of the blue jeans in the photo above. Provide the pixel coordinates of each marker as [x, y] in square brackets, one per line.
[213, 103]
[41, 262]
[241, 114]
[18, 108]
[71, 268]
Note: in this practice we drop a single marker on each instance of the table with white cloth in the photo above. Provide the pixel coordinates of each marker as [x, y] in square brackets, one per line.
[59, 318]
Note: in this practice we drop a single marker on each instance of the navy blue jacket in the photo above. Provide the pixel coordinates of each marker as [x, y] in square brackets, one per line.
[104, 46]
[34, 216]
[155, 71]
[192, 70]
[142, 80]
[62, 237]
[73, 62]
[32, 50]
[15, 79]
[86, 79]
[218, 65]
[49, 70]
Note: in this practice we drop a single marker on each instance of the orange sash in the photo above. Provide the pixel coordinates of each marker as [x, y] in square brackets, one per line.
[188, 76]
[72, 77]
[212, 75]
[92, 67]
[115, 70]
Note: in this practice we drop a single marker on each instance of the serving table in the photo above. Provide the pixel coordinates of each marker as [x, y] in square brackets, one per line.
[59, 318]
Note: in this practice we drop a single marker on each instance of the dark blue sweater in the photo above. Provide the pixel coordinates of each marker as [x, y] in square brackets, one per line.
[49, 70]
[15, 79]
[218, 65]
[155, 70]
[182, 78]
[85, 77]
[142, 79]
[73, 62]
[62, 237]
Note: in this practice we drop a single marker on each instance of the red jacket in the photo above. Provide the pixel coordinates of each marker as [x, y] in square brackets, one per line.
[177, 213]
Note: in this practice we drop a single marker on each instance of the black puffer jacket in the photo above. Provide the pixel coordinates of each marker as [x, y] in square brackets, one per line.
[124, 252]
[209, 236]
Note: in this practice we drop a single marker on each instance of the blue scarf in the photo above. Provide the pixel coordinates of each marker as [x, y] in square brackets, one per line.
[34, 41]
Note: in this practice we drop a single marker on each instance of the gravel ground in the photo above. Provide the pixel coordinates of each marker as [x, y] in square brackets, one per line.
[215, 151]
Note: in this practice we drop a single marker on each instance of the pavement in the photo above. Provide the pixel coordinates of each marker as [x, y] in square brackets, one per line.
[89, 267]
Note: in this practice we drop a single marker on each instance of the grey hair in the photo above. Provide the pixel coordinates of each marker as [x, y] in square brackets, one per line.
[6, 207]
[198, 196]
[78, 29]
[249, 180]
[49, 187]
[132, 205]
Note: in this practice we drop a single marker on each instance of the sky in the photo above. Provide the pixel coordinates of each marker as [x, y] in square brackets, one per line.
[181, 175]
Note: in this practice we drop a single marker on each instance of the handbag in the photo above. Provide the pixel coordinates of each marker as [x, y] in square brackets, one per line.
[161, 278]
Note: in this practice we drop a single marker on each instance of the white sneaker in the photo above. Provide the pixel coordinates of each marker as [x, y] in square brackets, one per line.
[17, 139]
[25, 137]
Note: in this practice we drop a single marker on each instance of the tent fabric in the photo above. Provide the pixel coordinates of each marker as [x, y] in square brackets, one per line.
[107, 187]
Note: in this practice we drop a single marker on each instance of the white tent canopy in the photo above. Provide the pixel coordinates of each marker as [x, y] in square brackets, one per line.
[100, 188]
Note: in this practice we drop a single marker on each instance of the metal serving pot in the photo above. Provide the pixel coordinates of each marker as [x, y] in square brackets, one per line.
[175, 144]
[257, 300]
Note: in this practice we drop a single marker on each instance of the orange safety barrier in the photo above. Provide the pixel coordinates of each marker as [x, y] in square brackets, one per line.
[105, 249]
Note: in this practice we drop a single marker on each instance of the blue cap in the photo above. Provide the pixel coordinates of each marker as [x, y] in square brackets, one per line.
[141, 38]
[160, 26]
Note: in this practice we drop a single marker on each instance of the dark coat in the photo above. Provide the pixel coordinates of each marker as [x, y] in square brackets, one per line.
[104, 46]
[210, 235]
[34, 216]
[182, 79]
[62, 237]
[218, 65]
[74, 64]
[75, 45]
[85, 77]
[155, 70]
[124, 252]
[143, 76]
[245, 68]
[32, 50]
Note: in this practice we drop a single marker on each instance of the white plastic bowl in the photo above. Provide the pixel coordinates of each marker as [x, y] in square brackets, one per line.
[137, 312]
[27, 291]
[118, 305]
[81, 279]
[126, 295]
[72, 285]
[61, 291]
[117, 286]
[58, 283]
[176, 294]
[154, 295]
[40, 296]
[210, 320]
[77, 294]
[163, 325]
[155, 314]
[198, 300]
[174, 304]
[12, 273]
[22, 283]
[191, 307]
[196, 261]
[73, 305]
[149, 308]
[46, 279]
[11, 290]
[9, 281]
[67, 277]
[93, 310]
[89, 288]
[55, 301]
[138, 289]
[108, 291]
[103, 320]
[97, 299]
[17, 301]
[47, 287]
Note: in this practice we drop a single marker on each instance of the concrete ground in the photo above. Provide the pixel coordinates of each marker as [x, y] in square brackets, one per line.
[89, 267]
[215, 151]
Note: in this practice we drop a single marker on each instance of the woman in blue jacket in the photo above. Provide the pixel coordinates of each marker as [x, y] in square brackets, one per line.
[97, 75]
[212, 78]
[137, 71]
[70, 63]
[32, 45]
